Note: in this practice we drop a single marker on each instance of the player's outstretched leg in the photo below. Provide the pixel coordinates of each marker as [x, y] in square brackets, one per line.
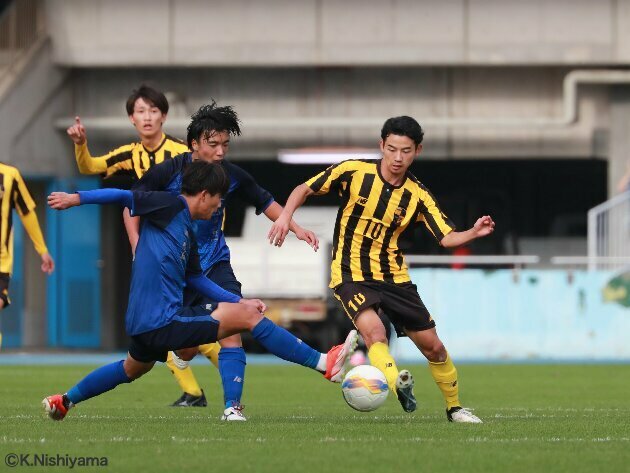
[236, 318]
[99, 381]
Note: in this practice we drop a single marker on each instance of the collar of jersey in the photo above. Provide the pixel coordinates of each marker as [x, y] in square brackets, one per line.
[378, 170]
[153, 151]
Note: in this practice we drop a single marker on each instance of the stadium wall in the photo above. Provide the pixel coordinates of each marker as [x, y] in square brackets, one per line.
[526, 315]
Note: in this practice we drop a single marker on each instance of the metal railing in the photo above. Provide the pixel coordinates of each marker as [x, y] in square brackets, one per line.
[21, 26]
[609, 234]
[516, 261]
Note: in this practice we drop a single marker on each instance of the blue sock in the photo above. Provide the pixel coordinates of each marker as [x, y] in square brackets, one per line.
[100, 380]
[284, 344]
[232, 369]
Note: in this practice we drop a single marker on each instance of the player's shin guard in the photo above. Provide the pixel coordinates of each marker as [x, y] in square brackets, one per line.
[100, 380]
[285, 345]
[232, 369]
[445, 376]
[380, 357]
[211, 351]
[185, 378]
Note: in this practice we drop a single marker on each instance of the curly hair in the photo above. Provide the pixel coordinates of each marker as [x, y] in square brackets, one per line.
[210, 119]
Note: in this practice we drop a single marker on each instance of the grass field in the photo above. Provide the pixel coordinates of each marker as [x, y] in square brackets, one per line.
[563, 418]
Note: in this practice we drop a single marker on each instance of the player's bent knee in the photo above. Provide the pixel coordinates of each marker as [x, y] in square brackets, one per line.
[251, 317]
[135, 369]
[187, 354]
[436, 352]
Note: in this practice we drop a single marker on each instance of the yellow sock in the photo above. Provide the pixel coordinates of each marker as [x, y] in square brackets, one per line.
[445, 376]
[185, 378]
[380, 357]
[211, 351]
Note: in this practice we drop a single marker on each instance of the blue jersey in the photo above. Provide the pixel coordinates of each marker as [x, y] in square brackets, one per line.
[167, 176]
[165, 254]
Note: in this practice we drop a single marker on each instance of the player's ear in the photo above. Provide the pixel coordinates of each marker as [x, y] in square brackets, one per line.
[418, 149]
[131, 120]
[194, 144]
[381, 145]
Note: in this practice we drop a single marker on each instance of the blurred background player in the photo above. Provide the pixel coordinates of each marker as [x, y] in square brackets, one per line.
[379, 199]
[208, 137]
[167, 261]
[15, 195]
[147, 109]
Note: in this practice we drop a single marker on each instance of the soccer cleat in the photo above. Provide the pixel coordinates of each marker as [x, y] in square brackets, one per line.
[337, 356]
[404, 391]
[188, 400]
[234, 413]
[56, 406]
[462, 415]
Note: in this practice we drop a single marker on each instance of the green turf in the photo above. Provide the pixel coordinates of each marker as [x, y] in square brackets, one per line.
[536, 418]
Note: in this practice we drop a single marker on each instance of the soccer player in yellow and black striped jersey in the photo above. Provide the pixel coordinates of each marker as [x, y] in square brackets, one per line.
[379, 200]
[147, 109]
[15, 195]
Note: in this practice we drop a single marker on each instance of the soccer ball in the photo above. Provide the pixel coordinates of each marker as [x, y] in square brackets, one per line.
[365, 388]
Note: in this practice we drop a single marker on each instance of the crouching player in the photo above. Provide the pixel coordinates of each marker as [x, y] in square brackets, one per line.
[166, 261]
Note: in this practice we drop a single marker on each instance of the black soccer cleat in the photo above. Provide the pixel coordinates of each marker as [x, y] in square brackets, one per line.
[188, 400]
[404, 391]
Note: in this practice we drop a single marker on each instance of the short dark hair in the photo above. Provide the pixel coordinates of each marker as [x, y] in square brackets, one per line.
[201, 175]
[403, 126]
[149, 95]
[210, 118]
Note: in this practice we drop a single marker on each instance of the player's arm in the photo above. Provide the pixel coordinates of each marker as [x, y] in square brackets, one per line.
[196, 280]
[320, 184]
[213, 291]
[63, 200]
[280, 228]
[26, 210]
[484, 226]
[275, 210]
[86, 163]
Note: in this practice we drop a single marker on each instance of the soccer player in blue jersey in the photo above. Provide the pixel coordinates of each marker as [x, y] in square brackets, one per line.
[167, 260]
[208, 137]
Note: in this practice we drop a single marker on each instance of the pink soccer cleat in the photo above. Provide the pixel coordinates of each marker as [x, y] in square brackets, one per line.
[337, 356]
[55, 406]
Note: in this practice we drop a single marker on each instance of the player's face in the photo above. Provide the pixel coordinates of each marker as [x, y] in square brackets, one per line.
[398, 153]
[213, 146]
[147, 118]
[209, 204]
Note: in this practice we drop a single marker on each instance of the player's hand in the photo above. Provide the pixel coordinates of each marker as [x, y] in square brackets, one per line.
[484, 226]
[257, 303]
[63, 200]
[279, 230]
[307, 236]
[48, 264]
[77, 132]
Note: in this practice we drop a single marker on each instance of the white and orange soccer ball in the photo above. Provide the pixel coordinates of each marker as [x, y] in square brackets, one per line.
[365, 388]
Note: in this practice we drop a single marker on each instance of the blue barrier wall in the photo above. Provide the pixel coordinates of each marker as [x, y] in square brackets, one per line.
[529, 315]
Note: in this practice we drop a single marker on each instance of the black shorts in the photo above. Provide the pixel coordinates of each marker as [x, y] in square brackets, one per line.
[221, 274]
[197, 328]
[401, 303]
[4, 289]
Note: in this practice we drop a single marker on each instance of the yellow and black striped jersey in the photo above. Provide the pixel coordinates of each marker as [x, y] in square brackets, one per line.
[133, 159]
[15, 195]
[371, 217]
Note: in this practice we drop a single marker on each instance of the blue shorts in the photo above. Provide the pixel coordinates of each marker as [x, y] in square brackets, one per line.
[194, 326]
[221, 274]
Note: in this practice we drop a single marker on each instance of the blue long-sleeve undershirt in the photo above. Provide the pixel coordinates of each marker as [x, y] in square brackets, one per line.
[107, 196]
[211, 290]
